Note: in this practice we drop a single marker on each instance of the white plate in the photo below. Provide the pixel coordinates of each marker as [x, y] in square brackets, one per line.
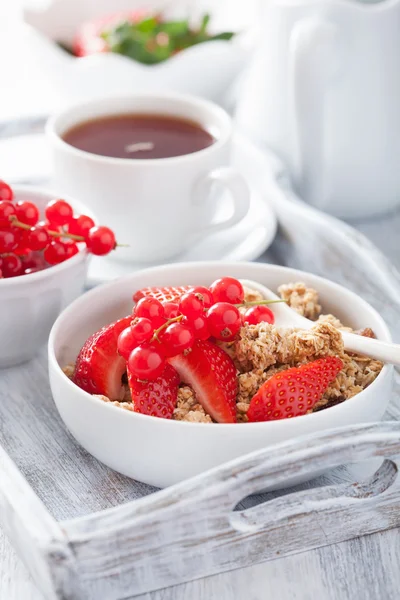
[26, 159]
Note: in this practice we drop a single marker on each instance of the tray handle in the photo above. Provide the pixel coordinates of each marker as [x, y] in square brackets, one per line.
[314, 501]
[272, 467]
[225, 486]
[191, 530]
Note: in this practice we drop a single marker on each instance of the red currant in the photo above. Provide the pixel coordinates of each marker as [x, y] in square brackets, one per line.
[8, 240]
[199, 327]
[22, 248]
[146, 362]
[59, 212]
[191, 306]
[224, 321]
[56, 252]
[257, 314]
[81, 225]
[7, 210]
[142, 330]
[100, 240]
[34, 260]
[44, 224]
[176, 338]
[71, 248]
[227, 289]
[11, 265]
[126, 343]
[27, 213]
[6, 192]
[38, 238]
[171, 310]
[152, 309]
[204, 295]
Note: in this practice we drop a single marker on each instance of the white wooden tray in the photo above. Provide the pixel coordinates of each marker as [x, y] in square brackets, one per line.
[86, 532]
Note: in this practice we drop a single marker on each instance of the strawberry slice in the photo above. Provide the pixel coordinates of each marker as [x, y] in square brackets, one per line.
[212, 375]
[163, 294]
[155, 398]
[99, 367]
[293, 392]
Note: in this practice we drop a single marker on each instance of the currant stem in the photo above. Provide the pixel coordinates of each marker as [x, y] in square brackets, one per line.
[164, 326]
[259, 303]
[57, 234]
[17, 223]
[72, 236]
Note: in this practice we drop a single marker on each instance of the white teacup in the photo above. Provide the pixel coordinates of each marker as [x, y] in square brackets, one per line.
[156, 206]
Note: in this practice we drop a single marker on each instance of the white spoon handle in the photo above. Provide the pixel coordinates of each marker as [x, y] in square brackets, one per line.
[388, 353]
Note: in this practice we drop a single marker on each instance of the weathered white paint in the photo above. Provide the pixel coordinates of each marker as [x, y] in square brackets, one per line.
[37, 537]
[190, 530]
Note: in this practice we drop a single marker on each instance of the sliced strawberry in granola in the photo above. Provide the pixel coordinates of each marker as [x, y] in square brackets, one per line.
[293, 392]
[155, 398]
[99, 367]
[212, 375]
[163, 294]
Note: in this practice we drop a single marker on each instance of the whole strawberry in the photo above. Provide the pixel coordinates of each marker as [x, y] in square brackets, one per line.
[293, 392]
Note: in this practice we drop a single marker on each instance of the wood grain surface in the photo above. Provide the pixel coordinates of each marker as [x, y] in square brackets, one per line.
[191, 529]
[361, 569]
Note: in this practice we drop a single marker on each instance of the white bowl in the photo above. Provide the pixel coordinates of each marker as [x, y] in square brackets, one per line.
[208, 70]
[162, 452]
[30, 304]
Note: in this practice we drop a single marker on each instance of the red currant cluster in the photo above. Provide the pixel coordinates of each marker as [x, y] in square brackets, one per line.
[161, 330]
[28, 245]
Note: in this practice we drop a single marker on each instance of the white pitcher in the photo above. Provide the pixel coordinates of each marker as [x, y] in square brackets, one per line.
[323, 92]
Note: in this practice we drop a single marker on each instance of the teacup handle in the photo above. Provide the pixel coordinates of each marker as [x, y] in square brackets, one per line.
[239, 192]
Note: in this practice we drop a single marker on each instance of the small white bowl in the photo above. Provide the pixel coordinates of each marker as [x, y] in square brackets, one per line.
[162, 452]
[208, 70]
[29, 304]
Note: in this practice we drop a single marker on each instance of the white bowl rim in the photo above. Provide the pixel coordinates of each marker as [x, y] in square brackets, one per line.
[71, 262]
[281, 423]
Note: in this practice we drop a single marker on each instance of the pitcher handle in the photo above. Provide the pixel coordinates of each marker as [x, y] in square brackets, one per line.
[311, 64]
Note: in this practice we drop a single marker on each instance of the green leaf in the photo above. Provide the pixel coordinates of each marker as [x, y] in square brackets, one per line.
[142, 41]
[205, 21]
[175, 28]
[227, 35]
[147, 25]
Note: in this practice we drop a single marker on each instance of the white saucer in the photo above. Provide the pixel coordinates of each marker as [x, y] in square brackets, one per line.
[245, 241]
[26, 159]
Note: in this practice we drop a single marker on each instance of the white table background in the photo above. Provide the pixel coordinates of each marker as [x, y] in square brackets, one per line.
[362, 569]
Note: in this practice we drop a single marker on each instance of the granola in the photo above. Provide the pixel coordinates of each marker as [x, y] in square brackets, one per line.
[262, 346]
[302, 299]
[261, 351]
[188, 409]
